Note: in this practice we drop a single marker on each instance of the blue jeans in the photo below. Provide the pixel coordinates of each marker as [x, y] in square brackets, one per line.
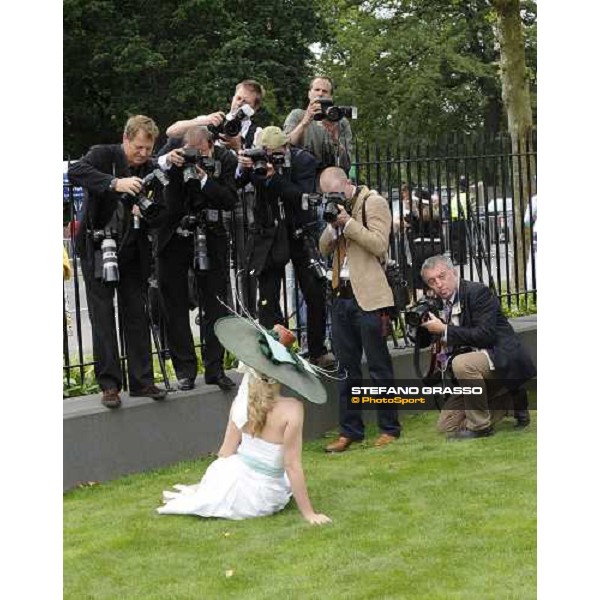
[354, 330]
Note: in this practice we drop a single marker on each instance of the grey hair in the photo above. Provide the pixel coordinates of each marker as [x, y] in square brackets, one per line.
[196, 133]
[433, 261]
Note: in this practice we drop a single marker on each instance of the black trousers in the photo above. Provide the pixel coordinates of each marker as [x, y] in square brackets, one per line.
[313, 289]
[132, 296]
[458, 242]
[174, 263]
[355, 330]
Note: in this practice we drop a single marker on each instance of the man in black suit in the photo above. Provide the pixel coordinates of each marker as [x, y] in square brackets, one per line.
[248, 96]
[481, 345]
[203, 197]
[280, 233]
[108, 173]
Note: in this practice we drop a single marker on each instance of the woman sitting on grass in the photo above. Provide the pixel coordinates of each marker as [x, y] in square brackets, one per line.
[260, 461]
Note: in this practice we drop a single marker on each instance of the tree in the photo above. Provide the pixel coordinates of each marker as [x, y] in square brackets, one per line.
[174, 60]
[416, 68]
[516, 97]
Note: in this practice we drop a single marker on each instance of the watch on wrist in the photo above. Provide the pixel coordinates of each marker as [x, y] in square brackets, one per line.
[113, 185]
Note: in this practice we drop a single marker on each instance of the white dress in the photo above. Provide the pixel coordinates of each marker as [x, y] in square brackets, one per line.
[250, 483]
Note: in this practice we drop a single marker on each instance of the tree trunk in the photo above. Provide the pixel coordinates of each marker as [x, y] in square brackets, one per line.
[516, 98]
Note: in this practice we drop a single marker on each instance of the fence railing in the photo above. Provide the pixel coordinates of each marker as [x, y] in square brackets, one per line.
[458, 200]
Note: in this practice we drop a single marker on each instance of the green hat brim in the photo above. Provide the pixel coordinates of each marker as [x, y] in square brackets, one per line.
[240, 337]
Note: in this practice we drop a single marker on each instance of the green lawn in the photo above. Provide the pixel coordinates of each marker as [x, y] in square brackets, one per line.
[421, 518]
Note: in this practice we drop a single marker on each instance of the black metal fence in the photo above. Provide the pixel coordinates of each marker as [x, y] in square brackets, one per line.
[457, 199]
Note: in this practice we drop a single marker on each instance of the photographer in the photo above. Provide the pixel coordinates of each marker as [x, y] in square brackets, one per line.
[246, 101]
[194, 236]
[480, 344]
[361, 297]
[424, 232]
[330, 142]
[280, 233]
[108, 173]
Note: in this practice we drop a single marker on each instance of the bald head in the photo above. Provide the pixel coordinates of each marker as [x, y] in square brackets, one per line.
[333, 179]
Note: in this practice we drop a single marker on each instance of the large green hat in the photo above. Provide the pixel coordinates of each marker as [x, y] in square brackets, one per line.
[254, 345]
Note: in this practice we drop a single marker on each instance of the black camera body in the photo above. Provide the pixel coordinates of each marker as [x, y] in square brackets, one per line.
[148, 208]
[331, 210]
[192, 159]
[232, 124]
[330, 200]
[259, 160]
[419, 313]
[330, 112]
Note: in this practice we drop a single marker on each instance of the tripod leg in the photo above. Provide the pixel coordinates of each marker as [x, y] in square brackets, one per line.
[159, 349]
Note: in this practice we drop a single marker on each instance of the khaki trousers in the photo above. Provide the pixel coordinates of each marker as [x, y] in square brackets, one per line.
[473, 412]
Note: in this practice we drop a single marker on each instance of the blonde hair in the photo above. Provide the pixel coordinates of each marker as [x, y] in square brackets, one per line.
[261, 400]
[139, 123]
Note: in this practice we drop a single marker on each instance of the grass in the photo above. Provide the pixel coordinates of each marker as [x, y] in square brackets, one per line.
[421, 518]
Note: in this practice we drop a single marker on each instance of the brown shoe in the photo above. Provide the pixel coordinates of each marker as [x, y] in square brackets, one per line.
[384, 439]
[341, 444]
[110, 398]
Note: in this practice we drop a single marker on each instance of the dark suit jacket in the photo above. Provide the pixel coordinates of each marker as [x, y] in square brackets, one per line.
[94, 172]
[484, 326]
[218, 193]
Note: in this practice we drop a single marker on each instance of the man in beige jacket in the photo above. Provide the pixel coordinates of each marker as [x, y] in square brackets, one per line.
[361, 296]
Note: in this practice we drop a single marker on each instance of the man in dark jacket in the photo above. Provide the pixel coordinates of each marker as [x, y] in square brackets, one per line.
[110, 174]
[280, 233]
[204, 198]
[482, 346]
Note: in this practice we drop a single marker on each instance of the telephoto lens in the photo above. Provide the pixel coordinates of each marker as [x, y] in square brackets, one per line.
[201, 262]
[110, 268]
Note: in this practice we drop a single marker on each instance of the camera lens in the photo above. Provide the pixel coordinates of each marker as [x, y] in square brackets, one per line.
[110, 268]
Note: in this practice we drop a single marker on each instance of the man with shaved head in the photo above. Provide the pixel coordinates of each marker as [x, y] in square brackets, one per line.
[359, 239]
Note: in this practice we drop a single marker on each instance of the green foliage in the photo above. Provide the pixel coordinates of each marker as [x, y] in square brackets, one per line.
[175, 60]
[418, 69]
[75, 385]
[419, 519]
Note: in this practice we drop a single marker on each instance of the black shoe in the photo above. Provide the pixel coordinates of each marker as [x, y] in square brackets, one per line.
[222, 381]
[522, 421]
[186, 384]
[149, 391]
[467, 434]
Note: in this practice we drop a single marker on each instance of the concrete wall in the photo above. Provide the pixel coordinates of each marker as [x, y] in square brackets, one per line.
[100, 444]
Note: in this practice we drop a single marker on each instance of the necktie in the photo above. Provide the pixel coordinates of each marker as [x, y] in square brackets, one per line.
[338, 261]
[447, 311]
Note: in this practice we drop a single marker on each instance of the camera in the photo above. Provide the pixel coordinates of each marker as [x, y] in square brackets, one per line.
[313, 258]
[331, 210]
[330, 200]
[232, 125]
[194, 225]
[259, 159]
[148, 208]
[192, 159]
[330, 112]
[418, 313]
[109, 268]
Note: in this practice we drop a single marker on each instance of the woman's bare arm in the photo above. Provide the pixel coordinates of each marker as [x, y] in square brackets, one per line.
[231, 440]
[292, 458]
